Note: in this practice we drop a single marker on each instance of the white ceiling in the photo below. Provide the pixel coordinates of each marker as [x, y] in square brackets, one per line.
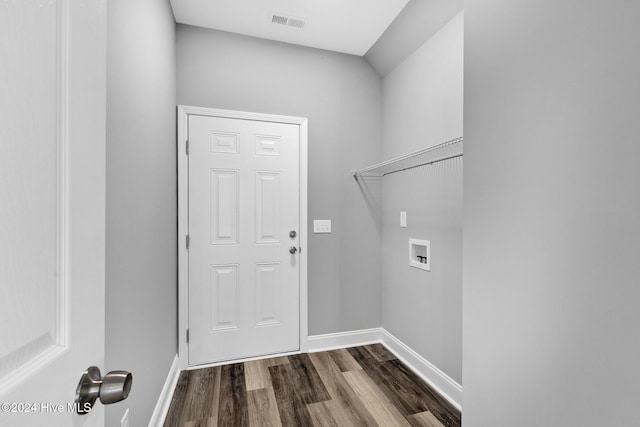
[348, 26]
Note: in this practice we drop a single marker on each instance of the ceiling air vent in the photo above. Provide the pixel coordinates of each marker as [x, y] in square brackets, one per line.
[298, 23]
[278, 18]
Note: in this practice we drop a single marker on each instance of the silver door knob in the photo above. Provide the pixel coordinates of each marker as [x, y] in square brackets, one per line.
[114, 387]
[293, 250]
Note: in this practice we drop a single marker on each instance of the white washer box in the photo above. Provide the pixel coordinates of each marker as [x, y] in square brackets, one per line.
[420, 254]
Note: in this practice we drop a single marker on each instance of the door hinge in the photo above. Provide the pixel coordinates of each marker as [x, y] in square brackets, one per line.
[187, 147]
[187, 336]
[187, 241]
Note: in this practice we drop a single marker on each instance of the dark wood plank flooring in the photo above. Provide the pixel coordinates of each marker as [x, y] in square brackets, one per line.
[359, 386]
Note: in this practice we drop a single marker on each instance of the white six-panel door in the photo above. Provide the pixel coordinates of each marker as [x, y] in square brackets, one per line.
[52, 203]
[243, 263]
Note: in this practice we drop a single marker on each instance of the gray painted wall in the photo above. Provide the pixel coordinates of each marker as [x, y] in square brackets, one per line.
[141, 289]
[551, 202]
[422, 105]
[414, 25]
[341, 96]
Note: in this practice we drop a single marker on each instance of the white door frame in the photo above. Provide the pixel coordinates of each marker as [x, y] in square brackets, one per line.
[183, 226]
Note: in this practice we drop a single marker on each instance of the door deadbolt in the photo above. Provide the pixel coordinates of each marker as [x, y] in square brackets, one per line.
[114, 387]
[293, 250]
[293, 234]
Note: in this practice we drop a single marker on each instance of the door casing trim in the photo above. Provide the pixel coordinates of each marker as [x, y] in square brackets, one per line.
[184, 111]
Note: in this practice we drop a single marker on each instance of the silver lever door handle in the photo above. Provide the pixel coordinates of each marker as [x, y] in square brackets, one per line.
[293, 250]
[114, 387]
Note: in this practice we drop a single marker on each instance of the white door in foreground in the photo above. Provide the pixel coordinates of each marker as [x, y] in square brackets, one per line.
[52, 178]
[244, 225]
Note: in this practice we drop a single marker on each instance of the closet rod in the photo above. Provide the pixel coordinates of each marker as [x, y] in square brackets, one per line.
[423, 164]
[447, 150]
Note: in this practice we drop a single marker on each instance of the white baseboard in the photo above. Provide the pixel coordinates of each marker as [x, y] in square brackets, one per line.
[438, 380]
[343, 339]
[162, 407]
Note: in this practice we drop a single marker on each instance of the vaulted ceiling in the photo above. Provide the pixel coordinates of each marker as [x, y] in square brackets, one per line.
[385, 32]
[348, 26]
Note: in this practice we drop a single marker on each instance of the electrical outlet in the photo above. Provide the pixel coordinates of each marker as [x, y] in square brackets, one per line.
[124, 422]
[322, 226]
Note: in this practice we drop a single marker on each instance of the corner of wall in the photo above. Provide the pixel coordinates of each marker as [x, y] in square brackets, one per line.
[423, 106]
[141, 286]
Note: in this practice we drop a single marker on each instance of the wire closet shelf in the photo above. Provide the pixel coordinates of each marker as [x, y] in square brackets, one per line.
[437, 153]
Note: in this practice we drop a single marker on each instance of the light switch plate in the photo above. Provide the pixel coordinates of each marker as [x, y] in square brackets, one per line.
[403, 219]
[322, 226]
